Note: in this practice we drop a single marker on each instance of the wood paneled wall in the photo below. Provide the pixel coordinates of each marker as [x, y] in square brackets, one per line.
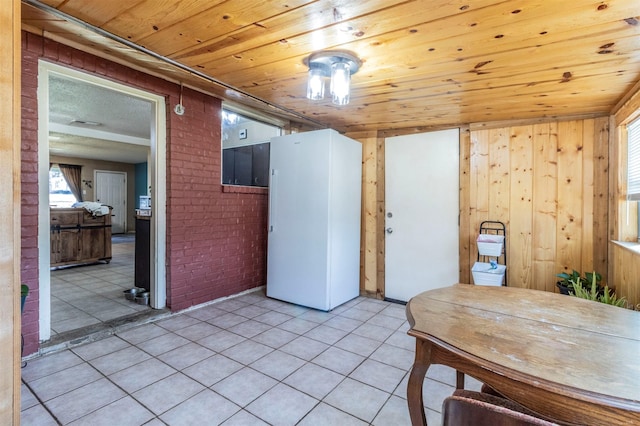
[371, 265]
[625, 267]
[548, 182]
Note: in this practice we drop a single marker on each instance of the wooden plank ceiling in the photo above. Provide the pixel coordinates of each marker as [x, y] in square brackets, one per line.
[425, 62]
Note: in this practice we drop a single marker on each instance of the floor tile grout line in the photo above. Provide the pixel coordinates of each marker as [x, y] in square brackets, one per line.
[344, 377]
[209, 388]
[361, 322]
[41, 403]
[311, 361]
[127, 393]
[118, 271]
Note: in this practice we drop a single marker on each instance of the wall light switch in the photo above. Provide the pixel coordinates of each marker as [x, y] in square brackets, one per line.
[242, 134]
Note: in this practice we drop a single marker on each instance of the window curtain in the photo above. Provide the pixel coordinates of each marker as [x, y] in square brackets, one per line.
[72, 174]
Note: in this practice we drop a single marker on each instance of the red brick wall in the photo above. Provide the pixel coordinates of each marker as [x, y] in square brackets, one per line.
[216, 236]
[29, 189]
[217, 240]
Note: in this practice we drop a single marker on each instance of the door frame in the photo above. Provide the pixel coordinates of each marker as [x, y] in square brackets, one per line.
[95, 179]
[157, 172]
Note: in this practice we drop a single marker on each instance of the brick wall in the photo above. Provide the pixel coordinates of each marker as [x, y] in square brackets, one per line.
[29, 189]
[216, 236]
[217, 240]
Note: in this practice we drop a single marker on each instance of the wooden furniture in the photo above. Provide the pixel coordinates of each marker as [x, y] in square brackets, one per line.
[142, 271]
[78, 237]
[481, 409]
[569, 359]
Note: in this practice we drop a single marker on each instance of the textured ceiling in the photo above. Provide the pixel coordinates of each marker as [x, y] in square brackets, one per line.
[90, 121]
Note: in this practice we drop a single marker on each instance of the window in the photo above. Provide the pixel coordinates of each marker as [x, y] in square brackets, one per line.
[633, 160]
[245, 149]
[59, 193]
[633, 172]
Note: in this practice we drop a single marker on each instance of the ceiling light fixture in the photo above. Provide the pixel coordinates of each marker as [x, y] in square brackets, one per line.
[337, 64]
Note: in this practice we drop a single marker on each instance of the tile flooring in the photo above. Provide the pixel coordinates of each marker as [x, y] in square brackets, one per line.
[88, 295]
[246, 360]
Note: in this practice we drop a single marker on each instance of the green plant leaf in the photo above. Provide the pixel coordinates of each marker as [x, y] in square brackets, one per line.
[596, 293]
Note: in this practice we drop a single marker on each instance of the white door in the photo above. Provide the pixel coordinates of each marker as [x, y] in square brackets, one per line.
[422, 208]
[111, 189]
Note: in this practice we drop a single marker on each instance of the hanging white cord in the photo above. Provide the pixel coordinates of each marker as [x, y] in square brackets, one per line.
[179, 109]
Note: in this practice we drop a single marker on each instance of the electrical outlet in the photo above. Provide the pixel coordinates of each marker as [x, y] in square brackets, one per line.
[242, 134]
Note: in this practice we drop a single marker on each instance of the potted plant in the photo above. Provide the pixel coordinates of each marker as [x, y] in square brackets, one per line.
[599, 294]
[568, 281]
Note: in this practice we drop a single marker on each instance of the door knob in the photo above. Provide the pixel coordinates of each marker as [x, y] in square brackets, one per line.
[389, 230]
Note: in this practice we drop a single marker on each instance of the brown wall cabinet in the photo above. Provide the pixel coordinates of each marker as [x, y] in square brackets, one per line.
[78, 237]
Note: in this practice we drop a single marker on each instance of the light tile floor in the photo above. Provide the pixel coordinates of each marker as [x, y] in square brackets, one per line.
[88, 295]
[247, 360]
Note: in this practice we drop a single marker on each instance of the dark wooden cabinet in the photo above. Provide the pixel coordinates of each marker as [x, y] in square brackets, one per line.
[228, 166]
[260, 164]
[68, 246]
[78, 237]
[142, 271]
[94, 243]
[246, 165]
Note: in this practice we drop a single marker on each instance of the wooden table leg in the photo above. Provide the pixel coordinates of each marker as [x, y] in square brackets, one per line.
[416, 379]
[459, 380]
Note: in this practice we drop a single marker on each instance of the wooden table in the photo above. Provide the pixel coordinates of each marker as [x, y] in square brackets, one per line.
[574, 360]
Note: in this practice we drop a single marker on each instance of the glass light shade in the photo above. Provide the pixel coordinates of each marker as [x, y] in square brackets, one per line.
[340, 81]
[315, 84]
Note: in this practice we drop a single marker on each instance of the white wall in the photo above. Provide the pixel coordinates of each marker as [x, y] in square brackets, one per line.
[256, 131]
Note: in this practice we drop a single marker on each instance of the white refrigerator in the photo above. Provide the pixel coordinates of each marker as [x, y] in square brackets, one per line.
[313, 254]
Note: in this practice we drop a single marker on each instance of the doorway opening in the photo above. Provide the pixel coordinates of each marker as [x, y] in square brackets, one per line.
[98, 126]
